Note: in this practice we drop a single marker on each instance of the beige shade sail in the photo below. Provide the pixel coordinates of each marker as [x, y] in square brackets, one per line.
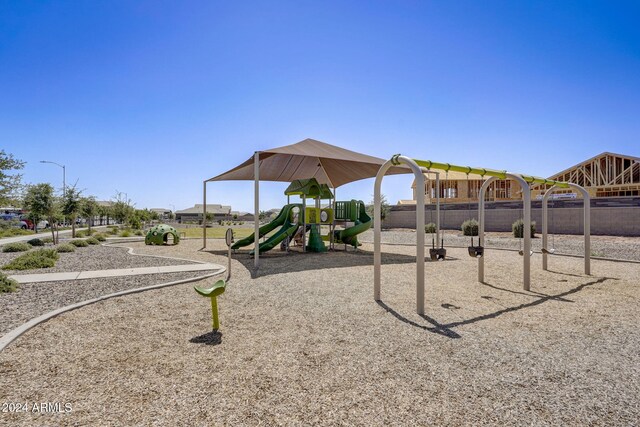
[326, 163]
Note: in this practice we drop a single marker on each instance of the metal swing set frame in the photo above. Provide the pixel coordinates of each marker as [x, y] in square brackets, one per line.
[418, 168]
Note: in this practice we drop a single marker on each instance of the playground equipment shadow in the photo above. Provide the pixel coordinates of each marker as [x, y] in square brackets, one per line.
[293, 261]
[447, 329]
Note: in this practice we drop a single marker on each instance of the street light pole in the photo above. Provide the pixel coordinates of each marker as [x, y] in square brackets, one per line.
[64, 176]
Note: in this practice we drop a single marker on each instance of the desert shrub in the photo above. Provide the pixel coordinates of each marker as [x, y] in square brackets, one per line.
[35, 242]
[81, 233]
[41, 258]
[92, 241]
[47, 240]
[470, 227]
[16, 247]
[430, 228]
[79, 243]
[139, 233]
[7, 285]
[65, 247]
[125, 233]
[518, 226]
[99, 237]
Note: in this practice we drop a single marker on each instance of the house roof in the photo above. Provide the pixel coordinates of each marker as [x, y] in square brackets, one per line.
[213, 208]
[326, 163]
[603, 154]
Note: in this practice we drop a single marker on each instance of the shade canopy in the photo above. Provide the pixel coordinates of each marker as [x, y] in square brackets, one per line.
[326, 163]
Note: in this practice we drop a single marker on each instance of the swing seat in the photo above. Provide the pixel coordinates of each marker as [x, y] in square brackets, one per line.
[438, 254]
[549, 251]
[476, 251]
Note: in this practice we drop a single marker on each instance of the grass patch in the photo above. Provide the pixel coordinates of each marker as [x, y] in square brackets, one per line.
[217, 232]
[7, 285]
[79, 243]
[92, 241]
[66, 247]
[42, 258]
[125, 233]
[47, 240]
[16, 247]
[100, 237]
[11, 232]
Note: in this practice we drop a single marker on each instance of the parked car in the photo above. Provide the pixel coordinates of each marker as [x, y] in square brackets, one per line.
[18, 221]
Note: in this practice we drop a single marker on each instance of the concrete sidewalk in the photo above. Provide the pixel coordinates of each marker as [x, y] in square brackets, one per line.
[118, 272]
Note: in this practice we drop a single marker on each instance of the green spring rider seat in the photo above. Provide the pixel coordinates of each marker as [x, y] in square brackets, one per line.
[213, 292]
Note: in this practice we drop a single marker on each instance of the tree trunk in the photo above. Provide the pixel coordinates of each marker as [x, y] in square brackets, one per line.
[73, 228]
[53, 234]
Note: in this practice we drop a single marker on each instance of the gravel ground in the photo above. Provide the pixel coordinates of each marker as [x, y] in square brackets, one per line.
[96, 257]
[35, 299]
[303, 343]
[627, 248]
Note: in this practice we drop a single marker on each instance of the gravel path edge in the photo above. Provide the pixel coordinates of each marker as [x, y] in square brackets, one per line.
[12, 335]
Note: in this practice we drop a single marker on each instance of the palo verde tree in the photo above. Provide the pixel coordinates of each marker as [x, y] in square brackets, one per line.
[71, 205]
[89, 209]
[9, 183]
[121, 208]
[41, 203]
[384, 207]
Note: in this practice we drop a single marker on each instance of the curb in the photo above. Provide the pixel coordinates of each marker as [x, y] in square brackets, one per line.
[12, 335]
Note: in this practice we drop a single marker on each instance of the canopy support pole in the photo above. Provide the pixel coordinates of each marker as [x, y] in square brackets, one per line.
[204, 214]
[256, 210]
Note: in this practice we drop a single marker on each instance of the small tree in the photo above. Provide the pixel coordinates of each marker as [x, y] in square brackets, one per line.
[385, 208]
[9, 183]
[41, 202]
[121, 208]
[71, 206]
[89, 209]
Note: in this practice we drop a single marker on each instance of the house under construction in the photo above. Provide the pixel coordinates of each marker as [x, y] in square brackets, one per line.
[605, 175]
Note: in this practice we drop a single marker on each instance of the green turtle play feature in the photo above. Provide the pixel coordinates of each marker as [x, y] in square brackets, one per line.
[162, 234]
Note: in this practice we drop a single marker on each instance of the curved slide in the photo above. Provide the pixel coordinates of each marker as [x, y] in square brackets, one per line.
[287, 229]
[349, 235]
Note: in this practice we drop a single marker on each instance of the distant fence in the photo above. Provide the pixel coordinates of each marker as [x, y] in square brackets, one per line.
[609, 216]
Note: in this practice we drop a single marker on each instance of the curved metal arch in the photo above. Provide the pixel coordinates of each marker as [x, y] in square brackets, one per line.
[586, 225]
[377, 228]
[526, 255]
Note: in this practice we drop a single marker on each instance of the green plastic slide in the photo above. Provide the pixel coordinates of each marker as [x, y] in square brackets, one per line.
[287, 230]
[362, 224]
[283, 219]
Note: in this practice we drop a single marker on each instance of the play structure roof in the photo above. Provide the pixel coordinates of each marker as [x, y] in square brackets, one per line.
[326, 163]
[308, 188]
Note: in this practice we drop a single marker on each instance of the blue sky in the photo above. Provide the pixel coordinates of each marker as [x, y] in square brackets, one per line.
[150, 98]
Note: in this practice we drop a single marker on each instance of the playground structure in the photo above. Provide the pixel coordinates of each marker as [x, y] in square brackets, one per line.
[328, 164]
[162, 234]
[297, 219]
[418, 167]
